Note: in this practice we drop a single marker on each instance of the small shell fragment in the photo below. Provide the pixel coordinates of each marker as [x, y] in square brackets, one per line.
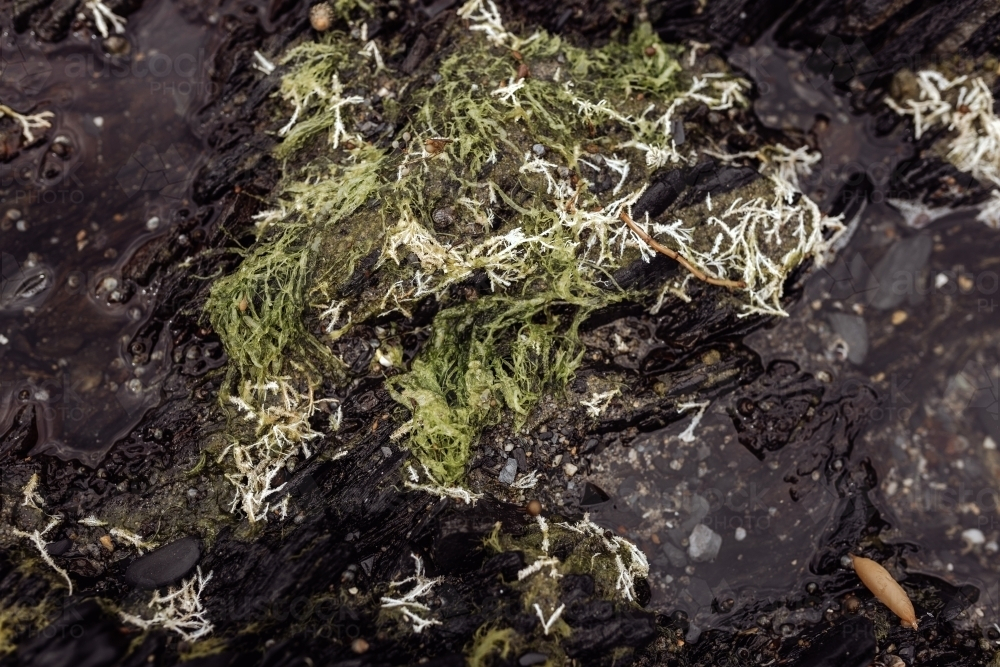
[884, 587]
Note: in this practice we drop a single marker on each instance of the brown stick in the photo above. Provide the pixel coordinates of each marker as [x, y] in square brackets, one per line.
[664, 250]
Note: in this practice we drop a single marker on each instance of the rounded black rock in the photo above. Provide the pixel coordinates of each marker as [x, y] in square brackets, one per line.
[164, 565]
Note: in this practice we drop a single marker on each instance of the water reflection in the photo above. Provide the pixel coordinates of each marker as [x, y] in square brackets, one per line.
[107, 178]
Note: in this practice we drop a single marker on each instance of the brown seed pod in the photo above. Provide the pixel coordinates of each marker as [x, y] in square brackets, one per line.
[884, 587]
[534, 508]
[321, 17]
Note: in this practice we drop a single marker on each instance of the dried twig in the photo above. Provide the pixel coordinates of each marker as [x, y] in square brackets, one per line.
[664, 250]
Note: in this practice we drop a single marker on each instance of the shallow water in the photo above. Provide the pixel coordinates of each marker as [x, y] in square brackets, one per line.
[113, 172]
[887, 368]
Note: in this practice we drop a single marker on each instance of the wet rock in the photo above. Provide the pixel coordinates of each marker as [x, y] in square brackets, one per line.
[853, 330]
[532, 659]
[64, 643]
[505, 564]
[117, 45]
[59, 547]
[849, 644]
[509, 472]
[593, 495]
[704, 543]
[628, 629]
[164, 565]
[676, 557]
[897, 276]
[522, 459]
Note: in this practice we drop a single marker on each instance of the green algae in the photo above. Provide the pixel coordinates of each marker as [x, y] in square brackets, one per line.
[487, 179]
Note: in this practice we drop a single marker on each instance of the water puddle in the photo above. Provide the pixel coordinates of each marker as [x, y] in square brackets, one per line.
[112, 173]
[875, 416]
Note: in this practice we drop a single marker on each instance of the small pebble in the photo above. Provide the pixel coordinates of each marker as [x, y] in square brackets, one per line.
[359, 646]
[509, 472]
[538, 149]
[534, 508]
[117, 45]
[741, 534]
[569, 469]
[107, 543]
[704, 543]
[898, 317]
[974, 537]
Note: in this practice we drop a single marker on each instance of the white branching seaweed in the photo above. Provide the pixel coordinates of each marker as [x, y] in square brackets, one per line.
[132, 539]
[637, 565]
[964, 106]
[28, 122]
[31, 496]
[599, 402]
[527, 481]
[40, 545]
[990, 211]
[92, 522]
[485, 18]
[410, 602]
[180, 610]
[103, 15]
[281, 415]
[434, 487]
[538, 565]
[499, 257]
[548, 623]
[701, 407]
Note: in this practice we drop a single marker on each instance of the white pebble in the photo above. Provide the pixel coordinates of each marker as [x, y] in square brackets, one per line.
[703, 544]
[569, 469]
[973, 536]
[741, 534]
[989, 443]
[99, 121]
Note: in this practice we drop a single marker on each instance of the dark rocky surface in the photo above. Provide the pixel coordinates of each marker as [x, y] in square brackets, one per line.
[300, 592]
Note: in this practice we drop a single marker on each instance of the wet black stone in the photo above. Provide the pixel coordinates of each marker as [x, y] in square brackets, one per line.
[83, 636]
[854, 332]
[898, 276]
[849, 644]
[164, 565]
[522, 459]
[60, 547]
[593, 495]
[532, 659]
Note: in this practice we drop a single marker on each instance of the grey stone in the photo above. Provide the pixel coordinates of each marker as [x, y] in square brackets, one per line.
[899, 274]
[509, 472]
[674, 555]
[853, 330]
[704, 543]
[529, 659]
[700, 508]
[164, 565]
